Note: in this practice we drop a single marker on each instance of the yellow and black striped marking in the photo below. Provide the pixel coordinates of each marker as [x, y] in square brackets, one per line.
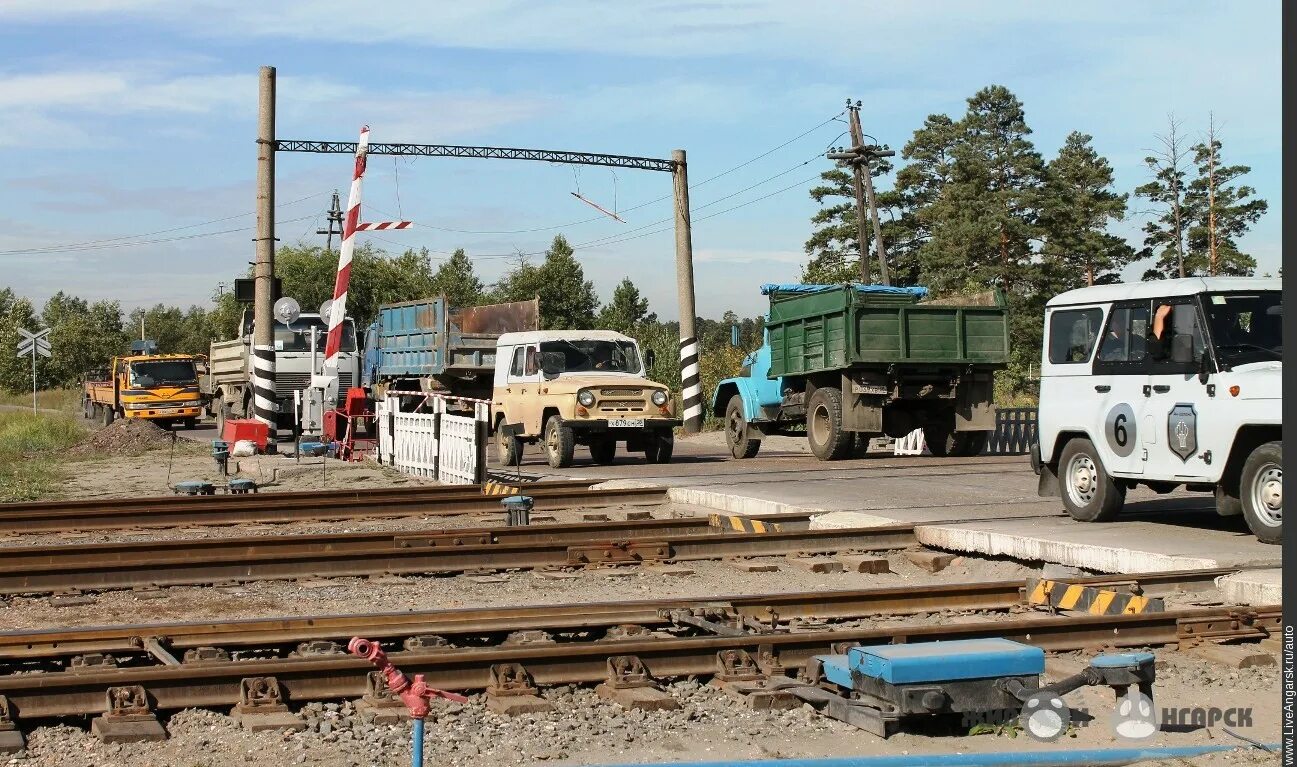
[744, 524]
[491, 487]
[1095, 601]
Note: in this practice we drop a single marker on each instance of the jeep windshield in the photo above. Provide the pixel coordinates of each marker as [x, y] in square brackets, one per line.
[587, 356]
[1245, 327]
[162, 373]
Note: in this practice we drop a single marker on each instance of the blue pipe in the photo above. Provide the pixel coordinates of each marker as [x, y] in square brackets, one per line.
[1052, 758]
[416, 744]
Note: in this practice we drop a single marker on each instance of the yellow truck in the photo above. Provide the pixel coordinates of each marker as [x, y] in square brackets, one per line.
[162, 388]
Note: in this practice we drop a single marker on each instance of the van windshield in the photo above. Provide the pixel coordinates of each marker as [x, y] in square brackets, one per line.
[587, 356]
[1245, 327]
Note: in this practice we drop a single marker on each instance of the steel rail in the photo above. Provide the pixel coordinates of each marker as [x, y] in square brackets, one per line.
[40, 569]
[287, 632]
[83, 692]
[262, 508]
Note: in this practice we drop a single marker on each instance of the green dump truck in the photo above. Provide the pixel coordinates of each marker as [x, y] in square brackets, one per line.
[845, 363]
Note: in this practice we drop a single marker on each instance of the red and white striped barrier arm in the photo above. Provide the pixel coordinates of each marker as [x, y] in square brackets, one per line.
[339, 308]
[378, 226]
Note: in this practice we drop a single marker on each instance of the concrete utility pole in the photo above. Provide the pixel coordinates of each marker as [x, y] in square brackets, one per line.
[857, 158]
[689, 380]
[264, 405]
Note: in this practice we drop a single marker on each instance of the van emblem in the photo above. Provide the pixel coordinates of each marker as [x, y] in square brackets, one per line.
[1182, 430]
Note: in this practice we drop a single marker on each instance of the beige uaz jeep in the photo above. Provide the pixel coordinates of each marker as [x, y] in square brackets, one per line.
[564, 388]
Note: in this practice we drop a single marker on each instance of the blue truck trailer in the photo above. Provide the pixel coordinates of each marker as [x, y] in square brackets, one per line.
[429, 346]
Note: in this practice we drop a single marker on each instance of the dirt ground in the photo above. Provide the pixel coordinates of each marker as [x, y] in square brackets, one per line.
[583, 729]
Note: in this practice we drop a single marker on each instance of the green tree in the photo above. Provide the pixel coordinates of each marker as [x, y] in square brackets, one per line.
[567, 298]
[834, 245]
[919, 185]
[1220, 210]
[456, 280]
[308, 273]
[1076, 207]
[627, 310]
[16, 312]
[1164, 234]
[83, 337]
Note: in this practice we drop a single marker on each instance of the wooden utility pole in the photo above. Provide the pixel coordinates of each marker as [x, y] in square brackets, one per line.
[858, 159]
[264, 405]
[691, 389]
[334, 217]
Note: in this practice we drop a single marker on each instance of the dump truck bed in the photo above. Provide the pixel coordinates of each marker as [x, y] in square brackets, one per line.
[832, 327]
[426, 338]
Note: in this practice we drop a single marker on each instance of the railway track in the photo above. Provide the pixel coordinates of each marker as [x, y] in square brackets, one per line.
[732, 638]
[261, 508]
[99, 566]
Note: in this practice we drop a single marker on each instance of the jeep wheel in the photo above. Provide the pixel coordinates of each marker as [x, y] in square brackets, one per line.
[824, 430]
[738, 432]
[1261, 489]
[603, 450]
[1089, 493]
[660, 447]
[508, 448]
[560, 443]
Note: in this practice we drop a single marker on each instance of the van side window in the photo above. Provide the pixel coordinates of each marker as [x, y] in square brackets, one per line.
[515, 367]
[1071, 335]
[1175, 333]
[1126, 337]
[531, 361]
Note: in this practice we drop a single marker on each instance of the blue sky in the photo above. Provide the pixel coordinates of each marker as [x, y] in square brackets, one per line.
[128, 117]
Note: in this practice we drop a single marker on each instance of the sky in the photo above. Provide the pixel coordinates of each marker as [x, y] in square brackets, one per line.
[130, 124]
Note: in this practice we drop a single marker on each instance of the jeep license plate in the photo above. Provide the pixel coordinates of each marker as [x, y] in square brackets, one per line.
[626, 423]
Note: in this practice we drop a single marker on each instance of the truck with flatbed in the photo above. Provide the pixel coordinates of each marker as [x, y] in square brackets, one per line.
[161, 388]
[563, 388]
[844, 363]
[299, 348]
[1164, 384]
[429, 346]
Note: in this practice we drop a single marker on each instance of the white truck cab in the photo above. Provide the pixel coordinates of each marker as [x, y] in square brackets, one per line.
[1165, 383]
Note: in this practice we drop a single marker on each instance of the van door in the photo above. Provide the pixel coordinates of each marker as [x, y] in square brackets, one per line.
[523, 389]
[1119, 374]
[1177, 412]
[1072, 333]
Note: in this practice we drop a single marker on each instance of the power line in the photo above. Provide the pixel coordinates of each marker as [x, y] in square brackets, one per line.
[104, 244]
[80, 245]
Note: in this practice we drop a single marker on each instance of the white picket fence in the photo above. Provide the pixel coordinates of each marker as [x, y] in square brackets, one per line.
[434, 444]
[910, 444]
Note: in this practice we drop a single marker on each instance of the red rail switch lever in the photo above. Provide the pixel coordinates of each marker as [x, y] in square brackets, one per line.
[414, 694]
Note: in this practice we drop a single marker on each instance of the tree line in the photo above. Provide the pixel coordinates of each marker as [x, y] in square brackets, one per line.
[975, 206]
[85, 335]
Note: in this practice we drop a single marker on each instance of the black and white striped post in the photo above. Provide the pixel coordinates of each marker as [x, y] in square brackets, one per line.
[265, 407]
[691, 390]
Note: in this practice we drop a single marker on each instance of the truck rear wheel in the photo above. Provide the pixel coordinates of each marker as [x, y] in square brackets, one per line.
[222, 415]
[738, 432]
[603, 450]
[824, 425]
[560, 443]
[1261, 489]
[1089, 492]
[970, 443]
[108, 415]
[660, 447]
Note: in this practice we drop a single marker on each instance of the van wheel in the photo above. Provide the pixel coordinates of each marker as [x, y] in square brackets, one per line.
[603, 450]
[560, 443]
[1261, 490]
[738, 432]
[824, 425]
[508, 449]
[660, 447]
[1089, 493]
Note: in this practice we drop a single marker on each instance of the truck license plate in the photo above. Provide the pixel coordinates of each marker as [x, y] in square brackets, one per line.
[626, 423]
[167, 411]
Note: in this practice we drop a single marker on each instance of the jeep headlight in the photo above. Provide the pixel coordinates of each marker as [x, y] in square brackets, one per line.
[585, 398]
[659, 398]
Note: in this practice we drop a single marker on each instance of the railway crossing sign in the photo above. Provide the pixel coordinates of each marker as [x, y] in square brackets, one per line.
[34, 342]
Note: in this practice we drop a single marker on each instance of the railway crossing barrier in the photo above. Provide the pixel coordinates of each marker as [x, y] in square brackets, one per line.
[436, 444]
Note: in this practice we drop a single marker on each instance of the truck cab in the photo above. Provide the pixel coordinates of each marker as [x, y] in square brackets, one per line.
[162, 388]
[1167, 384]
[564, 388]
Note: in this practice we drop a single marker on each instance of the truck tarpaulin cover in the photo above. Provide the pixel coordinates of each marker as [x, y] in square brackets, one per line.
[773, 288]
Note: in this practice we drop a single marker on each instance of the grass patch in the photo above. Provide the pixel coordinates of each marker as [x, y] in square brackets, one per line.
[64, 400]
[30, 449]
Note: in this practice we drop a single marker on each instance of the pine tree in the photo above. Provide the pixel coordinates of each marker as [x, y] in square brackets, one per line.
[1219, 212]
[456, 280]
[1077, 204]
[567, 298]
[834, 245]
[919, 185]
[627, 309]
[1164, 235]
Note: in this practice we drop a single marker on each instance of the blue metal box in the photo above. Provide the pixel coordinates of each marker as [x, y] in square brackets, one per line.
[945, 661]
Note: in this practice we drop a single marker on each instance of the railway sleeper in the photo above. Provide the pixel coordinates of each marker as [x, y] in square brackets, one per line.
[261, 706]
[511, 691]
[630, 685]
[11, 738]
[128, 718]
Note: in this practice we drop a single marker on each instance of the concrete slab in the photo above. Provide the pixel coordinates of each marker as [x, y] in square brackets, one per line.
[1118, 547]
[1252, 587]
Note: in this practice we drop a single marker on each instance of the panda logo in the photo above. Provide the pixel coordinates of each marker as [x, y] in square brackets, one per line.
[1136, 718]
[1045, 716]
